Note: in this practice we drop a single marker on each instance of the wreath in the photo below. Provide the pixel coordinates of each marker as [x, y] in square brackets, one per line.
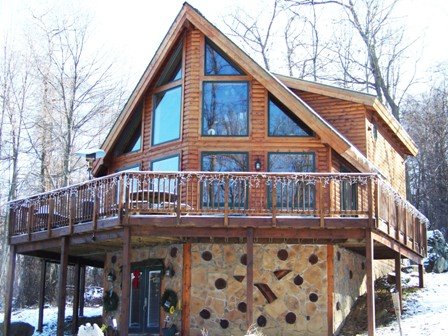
[110, 302]
[169, 301]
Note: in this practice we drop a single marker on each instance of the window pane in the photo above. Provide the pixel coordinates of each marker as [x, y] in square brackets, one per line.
[213, 192]
[217, 64]
[292, 195]
[165, 184]
[173, 69]
[166, 121]
[169, 164]
[283, 123]
[225, 109]
[291, 162]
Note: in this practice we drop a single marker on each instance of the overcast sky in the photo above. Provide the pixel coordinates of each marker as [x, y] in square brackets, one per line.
[131, 30]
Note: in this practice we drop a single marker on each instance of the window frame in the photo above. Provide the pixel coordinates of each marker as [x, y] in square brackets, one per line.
[281, 106]
[313, 154]
[248, 105]
[168, 87]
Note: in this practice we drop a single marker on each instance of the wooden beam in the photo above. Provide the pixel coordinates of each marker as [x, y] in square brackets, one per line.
[82, 289]
[421, 271]
[186, 289]
[43, 272]
[62, 285]
[9, 290]
[126, 282]
[250, 277]
[370, 284]
[397, 247]
[330, 288]
[54, 257]
[75, 314]
[398, 279]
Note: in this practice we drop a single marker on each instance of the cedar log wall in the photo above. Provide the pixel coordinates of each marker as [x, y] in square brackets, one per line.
[347, 117]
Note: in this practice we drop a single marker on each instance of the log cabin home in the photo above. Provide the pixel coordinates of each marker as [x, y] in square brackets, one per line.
[230, 196]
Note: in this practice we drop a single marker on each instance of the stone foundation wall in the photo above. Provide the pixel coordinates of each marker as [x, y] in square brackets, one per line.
[350, 281]
[163, 252]
[290, 292]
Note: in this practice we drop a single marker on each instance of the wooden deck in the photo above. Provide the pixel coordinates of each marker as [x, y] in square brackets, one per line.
[204, 205]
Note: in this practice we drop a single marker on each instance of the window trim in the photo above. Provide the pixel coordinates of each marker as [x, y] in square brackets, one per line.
[162, 158]
[154, 114]
[248, 113]
[207, 41]
[281, 106]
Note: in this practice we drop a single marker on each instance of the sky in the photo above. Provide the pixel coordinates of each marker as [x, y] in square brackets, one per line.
[130, 31]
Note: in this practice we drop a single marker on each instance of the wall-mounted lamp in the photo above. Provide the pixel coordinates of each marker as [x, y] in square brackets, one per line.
[90, 155]
[257, 164]
[169, 271]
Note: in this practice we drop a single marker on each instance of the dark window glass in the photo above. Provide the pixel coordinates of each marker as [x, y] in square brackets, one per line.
[349, 193]
[130, 137]
[166, 121]
[282, 122]
[225, 109]
[213, 192]
[217, 64]
[173, 69]
[292, 195]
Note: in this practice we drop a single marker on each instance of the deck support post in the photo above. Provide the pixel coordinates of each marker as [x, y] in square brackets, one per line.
[82, 289]
[43, 272]
[186, 288]
[421, 282]
[62, 285]
[9, 289]
[370, 284]
[398, 287]
[126, 282]
[250, 276]
[330, 288]
[75, 315]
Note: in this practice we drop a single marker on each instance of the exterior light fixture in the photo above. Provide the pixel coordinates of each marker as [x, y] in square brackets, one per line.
[91, 155]
[111, 276]
[169, 271]
[257, 164]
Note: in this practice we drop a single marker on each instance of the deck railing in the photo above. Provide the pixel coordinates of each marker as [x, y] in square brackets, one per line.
[316, 195]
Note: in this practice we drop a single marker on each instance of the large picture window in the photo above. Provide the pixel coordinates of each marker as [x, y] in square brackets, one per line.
[292, 195]
[166, 120]
[213, 192]
[283, 122]
[225, 109]
[167, 164]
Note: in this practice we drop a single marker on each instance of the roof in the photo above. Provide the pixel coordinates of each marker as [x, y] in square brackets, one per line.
[189, 15]
[366, 99]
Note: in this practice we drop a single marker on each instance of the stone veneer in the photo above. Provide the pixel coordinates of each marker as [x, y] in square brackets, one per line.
[152, 252]
[306, 301]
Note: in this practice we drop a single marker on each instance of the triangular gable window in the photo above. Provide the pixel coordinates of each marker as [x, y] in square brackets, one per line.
[130, 139]
[173, 69]
[282, 122]
[216, 63]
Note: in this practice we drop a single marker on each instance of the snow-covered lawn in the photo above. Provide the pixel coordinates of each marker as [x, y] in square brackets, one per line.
[425, 311]
[50, 317]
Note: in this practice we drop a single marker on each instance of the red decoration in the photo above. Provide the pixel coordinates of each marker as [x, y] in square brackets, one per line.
[136, 279]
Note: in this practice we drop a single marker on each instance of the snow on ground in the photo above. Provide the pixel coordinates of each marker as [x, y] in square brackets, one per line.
[425, 311]
[50, 317]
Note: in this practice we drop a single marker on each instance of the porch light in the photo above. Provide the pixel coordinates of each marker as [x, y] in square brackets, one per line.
[257, 164]
[90, 155]
[169, 271]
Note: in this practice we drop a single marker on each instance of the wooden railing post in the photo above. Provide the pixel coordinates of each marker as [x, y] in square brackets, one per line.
[95, 208]
[377, 202]
[179, 199]
[29, 221]
[121, 186]
[50, 216]
[72, 212]
[226, 200]
[274, 204]
[321, 204]
[370, 202]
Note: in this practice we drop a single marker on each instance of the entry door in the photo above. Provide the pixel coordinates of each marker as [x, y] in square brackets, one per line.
[144, 307]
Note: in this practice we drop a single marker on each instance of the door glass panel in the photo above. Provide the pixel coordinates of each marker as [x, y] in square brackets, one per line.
[153, 313]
